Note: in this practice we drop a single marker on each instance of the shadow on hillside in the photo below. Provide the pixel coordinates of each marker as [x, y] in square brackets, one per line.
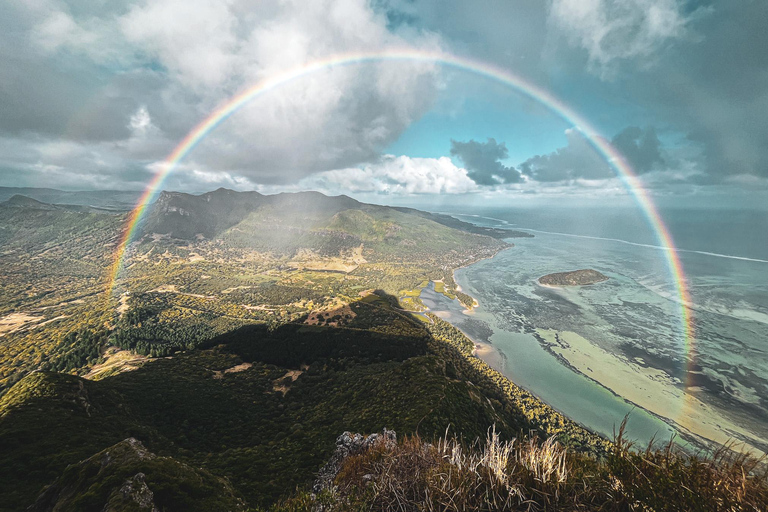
[373, 330]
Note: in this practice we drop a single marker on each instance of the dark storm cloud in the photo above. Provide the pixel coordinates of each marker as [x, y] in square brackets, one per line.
[717, 88]
[576, 160]
[640, 147]
[706, 79]
[483, 161]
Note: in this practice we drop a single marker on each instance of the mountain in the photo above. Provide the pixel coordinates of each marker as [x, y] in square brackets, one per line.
[126, 476]
[215, 367]
[260, 408]
[106, 199]
[202, 266]
[185, 216]
[20, 201]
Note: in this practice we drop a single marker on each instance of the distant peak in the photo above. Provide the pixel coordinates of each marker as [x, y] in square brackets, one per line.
[21, 201]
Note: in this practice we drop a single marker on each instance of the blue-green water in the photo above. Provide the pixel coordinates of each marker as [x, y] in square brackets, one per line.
[635, 315]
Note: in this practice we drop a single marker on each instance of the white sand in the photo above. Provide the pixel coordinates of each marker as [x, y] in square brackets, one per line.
[491, 356]
[651, 389]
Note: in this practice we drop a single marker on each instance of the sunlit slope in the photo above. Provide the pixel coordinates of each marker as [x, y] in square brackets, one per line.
[51, 253]
[260, 408]
[200, 266]
[283, 224]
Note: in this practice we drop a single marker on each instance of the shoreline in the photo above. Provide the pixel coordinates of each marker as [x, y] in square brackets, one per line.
[489, 360]
[484, 350]
[492, 356]
[650, 390]
[700, 424]
[458, 285]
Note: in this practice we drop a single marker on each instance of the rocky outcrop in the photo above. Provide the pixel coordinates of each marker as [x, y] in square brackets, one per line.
[574, 278]
[134, 491]
[121, 479]
[348, 444]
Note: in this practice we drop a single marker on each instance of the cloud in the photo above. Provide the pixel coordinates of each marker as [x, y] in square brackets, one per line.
[483, 161]
[576, 160]
[82, 76]
[96, 76]
[330, 119]
[395, 175]
[716, 90]
[642, 148]
[611, 30]
[194, 40]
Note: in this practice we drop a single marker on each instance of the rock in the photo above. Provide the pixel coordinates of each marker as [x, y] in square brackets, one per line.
[350, 444]
[134, 491]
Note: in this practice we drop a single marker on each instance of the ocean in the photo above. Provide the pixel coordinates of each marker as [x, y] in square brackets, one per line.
[600, 352]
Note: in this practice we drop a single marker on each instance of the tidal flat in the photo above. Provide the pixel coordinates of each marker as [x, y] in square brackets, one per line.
[597, 353]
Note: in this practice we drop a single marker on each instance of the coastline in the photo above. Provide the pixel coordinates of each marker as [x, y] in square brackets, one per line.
[492, 356]
[458, 285]
[536, 414]
[652, 391]
[484, 350]
[649, 389]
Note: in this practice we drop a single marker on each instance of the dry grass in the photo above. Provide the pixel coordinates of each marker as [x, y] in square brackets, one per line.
[534, 475]
[450, 476]
[666, 478]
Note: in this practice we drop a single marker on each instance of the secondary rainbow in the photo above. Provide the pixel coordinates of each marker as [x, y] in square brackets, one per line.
[614, 158]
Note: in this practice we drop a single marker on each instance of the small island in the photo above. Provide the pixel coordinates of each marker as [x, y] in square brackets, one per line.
[574, 278]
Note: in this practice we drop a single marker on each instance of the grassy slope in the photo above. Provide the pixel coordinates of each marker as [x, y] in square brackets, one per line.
[129, 478]
[55, 265]
[238, 427]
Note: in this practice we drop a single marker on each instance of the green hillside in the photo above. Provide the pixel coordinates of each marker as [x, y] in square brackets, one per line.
[201, 266]
[245, 333]
[260, 408]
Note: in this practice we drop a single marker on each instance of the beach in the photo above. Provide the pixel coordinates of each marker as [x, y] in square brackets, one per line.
[648, 388]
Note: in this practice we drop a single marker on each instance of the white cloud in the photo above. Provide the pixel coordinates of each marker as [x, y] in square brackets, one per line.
[55, 30]
[180, 59]
[611, 30]
[141, 121]
[330, 119]
[194, 39]
[396, 175]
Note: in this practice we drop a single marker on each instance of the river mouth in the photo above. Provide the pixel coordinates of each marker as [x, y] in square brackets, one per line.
[526, 363]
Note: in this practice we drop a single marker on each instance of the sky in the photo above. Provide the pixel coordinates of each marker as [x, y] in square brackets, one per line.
[94, 94]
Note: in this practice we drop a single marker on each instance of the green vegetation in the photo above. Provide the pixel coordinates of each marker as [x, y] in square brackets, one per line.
[263, 431]
[230, 260]
[126, 477]
[519, 404]
[265, 342]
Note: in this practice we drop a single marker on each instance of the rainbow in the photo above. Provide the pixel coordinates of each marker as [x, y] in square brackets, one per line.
[615, 159]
